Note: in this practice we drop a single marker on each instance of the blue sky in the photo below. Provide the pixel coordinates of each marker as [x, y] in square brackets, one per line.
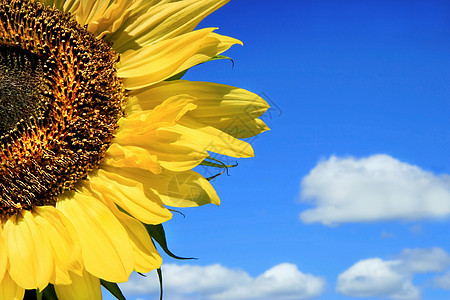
[348, 196]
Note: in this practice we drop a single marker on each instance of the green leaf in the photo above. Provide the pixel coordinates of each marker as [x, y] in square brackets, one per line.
[219, 164]
[214, 176]
[178, 212]
[177, 76]
[217, 57]
[216, 165]
[211, 164]
[160, 278]
[181, 74]
[48, 293]
[158, 234]
[113, 288]
[31, 294]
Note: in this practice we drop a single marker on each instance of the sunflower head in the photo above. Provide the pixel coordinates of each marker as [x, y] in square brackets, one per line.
[98, 135]
[60, 100]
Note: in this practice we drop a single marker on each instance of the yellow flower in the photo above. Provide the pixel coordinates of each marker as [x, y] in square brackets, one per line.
[96, 141]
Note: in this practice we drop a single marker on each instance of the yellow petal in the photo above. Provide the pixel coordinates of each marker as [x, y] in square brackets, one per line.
[31, 264]
[132, 105]
[177, 142]
[3, 255]
[142, 126]
[129, 195]
[142, 131]
[68, 6]
[84, 287]
[89, 10]
[180, 189]
[146, 257]
[169, 54]
[230, 109]
[186, 189]
[63, 241]
[212, 139]
[168, 113]
[131, 156]
[9, 290]
[106, 250]
[156, 62]
[165, 20]
[112, 17]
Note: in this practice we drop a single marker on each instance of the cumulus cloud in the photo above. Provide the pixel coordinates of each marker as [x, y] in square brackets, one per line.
[375, 188]
[424, 260]
[376, 278]
[283, 281]
[393, 279]
[443, 281]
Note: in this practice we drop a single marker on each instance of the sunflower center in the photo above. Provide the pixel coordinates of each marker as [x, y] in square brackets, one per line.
[22, 88]
[60, 100]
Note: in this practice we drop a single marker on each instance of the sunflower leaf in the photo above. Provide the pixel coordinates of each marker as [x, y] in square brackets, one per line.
[113, 288]
[210, 164]
[160, 278]
[32, 294]
[48, 293]
[178, 212]
[181, 74]
[217, 57]
[177, 76]
[214, 176]
[158, 234]
[216, 165]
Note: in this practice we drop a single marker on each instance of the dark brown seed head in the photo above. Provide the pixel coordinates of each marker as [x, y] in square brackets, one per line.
[60, 100]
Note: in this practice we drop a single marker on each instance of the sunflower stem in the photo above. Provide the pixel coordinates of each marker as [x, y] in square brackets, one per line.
[30, 295]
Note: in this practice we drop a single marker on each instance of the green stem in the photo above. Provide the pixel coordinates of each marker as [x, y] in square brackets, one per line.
[30, 295]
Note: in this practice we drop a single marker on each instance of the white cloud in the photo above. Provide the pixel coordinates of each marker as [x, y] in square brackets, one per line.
[443, 281]
[375, 188]
[283, 281]
[375, 277]
[424, 260]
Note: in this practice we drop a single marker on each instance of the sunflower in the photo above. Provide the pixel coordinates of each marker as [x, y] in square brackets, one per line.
[99, 135]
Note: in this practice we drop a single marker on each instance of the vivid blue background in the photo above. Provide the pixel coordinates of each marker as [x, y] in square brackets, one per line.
[345, 78]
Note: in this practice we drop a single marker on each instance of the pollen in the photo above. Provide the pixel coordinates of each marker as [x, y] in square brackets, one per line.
[60, 101]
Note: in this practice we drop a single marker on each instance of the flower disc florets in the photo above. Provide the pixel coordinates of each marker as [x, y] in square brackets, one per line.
[60, 100]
